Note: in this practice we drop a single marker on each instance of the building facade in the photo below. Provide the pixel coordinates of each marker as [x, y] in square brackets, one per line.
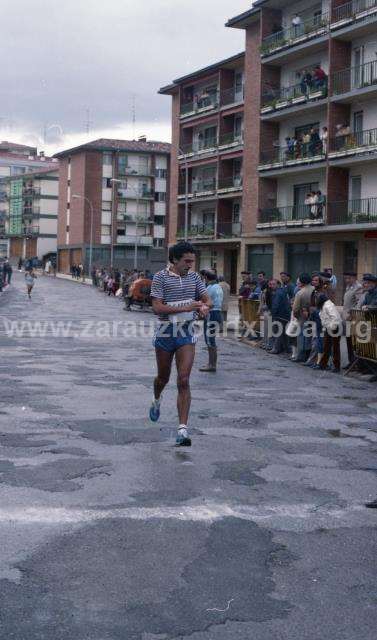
[18, 162]
[309, 142]
[113, 198]
[208, 143]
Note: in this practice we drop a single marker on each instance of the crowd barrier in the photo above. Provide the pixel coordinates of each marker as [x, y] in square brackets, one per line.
[249, 313]
[364, 350]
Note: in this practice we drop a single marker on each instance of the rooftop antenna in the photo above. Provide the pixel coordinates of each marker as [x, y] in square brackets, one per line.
[88, 122]
[133, 115]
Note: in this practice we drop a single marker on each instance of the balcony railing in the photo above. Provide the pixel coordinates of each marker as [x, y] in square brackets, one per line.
[361, 211]
[138, 170]
[230, 183]
[135, 193]
[357, 142]
[199, 145]
[198, 231]
[301, 153]
[31, 191]
[364, 75]
[231, 96]
[309, 28]
[231, 138]
[293, 215]
[25, 231]
[31, 211]
[355, 10]
[225, 230]
[205, 102]
[281, 98]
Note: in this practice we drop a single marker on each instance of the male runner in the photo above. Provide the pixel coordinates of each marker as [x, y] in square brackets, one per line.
[178, 296]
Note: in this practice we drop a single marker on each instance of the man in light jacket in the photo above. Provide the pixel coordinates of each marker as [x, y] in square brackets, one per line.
[226, 296]
[352, 295]
[332, 325]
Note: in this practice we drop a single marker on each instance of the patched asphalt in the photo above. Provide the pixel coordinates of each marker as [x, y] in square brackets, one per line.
[259, 531]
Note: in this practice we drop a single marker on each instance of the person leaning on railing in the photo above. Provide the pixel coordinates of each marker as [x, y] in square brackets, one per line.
[369, 300]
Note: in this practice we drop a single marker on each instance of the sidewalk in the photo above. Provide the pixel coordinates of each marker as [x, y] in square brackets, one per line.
[67, 276]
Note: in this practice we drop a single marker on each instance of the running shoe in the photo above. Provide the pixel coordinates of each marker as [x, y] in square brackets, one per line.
[154, 411]
[183, 439]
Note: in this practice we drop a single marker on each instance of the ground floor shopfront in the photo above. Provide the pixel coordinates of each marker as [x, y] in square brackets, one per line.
[224, 257]
[31, 247]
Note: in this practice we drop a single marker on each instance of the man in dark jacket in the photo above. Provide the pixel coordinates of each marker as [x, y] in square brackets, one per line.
[280, 308]
[370, 298]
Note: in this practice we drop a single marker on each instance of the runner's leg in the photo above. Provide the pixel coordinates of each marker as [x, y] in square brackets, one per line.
[164, 361]
[184, 358]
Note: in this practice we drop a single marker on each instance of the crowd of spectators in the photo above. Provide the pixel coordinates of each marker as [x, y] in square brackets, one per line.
[6, 272]
[302, 319]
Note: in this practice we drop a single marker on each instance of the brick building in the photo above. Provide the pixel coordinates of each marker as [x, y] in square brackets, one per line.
[126, 184]
[307, 68]
[17, 160]
[31, 213]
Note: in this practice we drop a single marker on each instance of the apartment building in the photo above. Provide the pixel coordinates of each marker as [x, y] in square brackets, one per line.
[341, 39]
[207, 167]
[30, 215]
[113, 198]
[309, 114]
[17, 160]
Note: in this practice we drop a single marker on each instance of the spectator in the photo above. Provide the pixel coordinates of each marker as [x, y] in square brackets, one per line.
[213, 322]
[324, 140]
[226, 297]
[286, 280]
[319, 77]
[315, 142]
[331, 276]
[352, 295]
[321, 202]
[302, 300]
[332, 325]
[20, 263]
[245, 288]
[280, 309]
[305, 144]
[370, 297]
[314, 205]
[296, 25]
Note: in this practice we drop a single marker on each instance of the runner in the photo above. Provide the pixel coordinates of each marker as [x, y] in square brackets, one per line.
[178, 296]
[30, 278]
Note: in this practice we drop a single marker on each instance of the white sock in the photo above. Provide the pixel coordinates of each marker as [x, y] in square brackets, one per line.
[182, 430]
[156, 401]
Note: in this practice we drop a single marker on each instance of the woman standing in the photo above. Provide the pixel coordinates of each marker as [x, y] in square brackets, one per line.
[30, 278]
[332, 324]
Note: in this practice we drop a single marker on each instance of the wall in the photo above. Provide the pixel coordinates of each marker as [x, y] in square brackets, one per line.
[368, 179]
[286, 184]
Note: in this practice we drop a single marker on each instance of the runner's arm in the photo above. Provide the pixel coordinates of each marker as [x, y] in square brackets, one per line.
[160, 308]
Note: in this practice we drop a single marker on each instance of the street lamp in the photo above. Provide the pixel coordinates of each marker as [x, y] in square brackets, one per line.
[181, 153]
[91, 228]
[137, 193]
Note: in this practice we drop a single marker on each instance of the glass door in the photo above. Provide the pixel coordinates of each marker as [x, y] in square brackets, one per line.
[355, 202]
[358, 127]
[358, 56]
[301, 193]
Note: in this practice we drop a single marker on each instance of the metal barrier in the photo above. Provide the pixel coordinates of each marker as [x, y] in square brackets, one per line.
[249, 314]
[364, 350]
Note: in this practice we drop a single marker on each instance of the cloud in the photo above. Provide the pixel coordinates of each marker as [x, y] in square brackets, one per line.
[67, 57]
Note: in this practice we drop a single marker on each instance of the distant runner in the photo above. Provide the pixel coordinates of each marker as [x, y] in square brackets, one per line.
[178, 296]
[30, 279]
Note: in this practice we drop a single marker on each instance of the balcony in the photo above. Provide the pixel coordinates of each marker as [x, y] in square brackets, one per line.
[198, 231]
[297, 155]
[199, 146]
[136, 194]
[139, 219]
[143, 241]
[362, 211]
[137, 170]
[224, 231]
[310, 28]
[31, 212]
[26, 231]
[231, 96]
[229, 185]
[355, 79]
[202, 104]
[298, 215]
[297, 94]
[348, 212]
[231, 139]
[359, 143]
[351, 12]
[31, 191]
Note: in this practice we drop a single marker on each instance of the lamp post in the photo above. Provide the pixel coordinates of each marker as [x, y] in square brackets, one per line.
[91, 228]
[181, 152]
[137, 193]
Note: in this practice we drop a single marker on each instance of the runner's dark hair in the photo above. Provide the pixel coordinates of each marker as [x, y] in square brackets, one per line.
[177, 251]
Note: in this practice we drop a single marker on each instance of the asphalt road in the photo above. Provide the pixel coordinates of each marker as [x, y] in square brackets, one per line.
[108, 532]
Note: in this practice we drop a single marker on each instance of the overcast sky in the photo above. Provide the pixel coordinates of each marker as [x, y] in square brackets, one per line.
[60, 58]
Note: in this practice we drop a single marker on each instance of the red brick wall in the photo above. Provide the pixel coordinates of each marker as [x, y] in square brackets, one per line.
[339, 58]
[269, 18]
[174, 172]
[76, 225]
[93, 191]
[267, 193]
[252, 118]
[337, 188]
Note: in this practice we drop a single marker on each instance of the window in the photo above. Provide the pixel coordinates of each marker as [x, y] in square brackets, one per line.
[236, 214]
[158, 242]
[160, 220]
[260, 258]
[122, 164]
[121, 232]
[107, 158]
[106, 183]
[301, 131]
[238, 83]
[106, 206]
[122, 207]
[161, 173]
[105, 230]
[160, 196]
